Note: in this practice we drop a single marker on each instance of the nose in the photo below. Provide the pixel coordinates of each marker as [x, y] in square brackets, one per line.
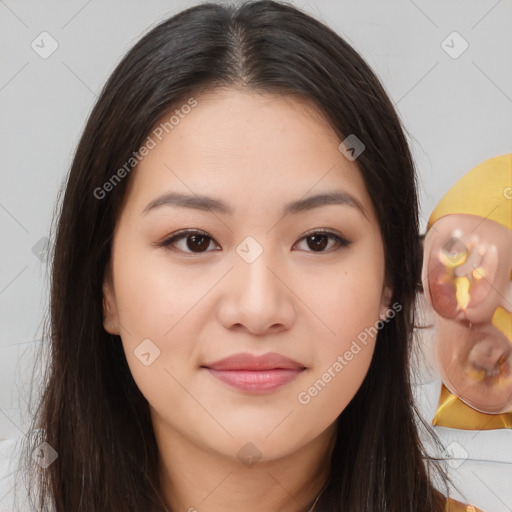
[257, 297]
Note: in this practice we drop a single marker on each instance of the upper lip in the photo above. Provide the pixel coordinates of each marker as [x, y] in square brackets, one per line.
[246, 361]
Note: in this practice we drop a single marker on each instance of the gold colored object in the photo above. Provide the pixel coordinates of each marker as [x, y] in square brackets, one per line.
[485, 192]
[454, 260]
[491, 182]
[457, 506]
[462, 286]
[478, 273]
[502, 320]
[452, 412]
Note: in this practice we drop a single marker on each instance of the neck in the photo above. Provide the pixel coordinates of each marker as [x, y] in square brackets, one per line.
[196, 479]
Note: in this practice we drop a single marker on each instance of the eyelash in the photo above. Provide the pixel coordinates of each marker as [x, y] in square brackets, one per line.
[183, 234]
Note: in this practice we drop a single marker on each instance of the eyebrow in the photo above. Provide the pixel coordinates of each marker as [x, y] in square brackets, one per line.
[207, 203]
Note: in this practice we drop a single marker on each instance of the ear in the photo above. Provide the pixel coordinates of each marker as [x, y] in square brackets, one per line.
[110, 315]
[387, 295]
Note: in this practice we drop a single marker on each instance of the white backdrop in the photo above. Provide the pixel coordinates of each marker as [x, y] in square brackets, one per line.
[446, 64]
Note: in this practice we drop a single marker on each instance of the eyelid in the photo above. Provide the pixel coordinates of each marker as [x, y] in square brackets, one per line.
[340, 239]
[183, 233]
[166, 243]
[186, 231]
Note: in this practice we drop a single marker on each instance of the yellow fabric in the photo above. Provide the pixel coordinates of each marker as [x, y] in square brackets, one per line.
[502, 320]
[457, 506]
[484, 191]
[454, 413]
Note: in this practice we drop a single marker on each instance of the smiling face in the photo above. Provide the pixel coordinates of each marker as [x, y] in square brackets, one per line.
[194, 280]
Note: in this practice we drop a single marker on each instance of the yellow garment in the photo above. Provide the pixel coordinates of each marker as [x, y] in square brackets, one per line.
[484, 191]
[457, 506]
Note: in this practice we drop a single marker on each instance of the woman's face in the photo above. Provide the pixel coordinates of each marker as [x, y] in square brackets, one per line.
[258, 279]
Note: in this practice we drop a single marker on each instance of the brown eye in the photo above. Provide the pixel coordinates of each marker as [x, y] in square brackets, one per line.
[318, 241]
[195, 242]
[198, 242]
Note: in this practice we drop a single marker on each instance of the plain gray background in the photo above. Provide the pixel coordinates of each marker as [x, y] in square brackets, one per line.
[456, 108]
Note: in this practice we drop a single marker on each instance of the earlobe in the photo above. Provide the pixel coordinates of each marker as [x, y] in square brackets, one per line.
[387, 295]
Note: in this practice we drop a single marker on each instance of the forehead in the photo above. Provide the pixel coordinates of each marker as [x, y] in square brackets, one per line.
[247, 146]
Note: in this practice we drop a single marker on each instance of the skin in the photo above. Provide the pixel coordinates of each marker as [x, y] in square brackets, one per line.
[254, 152]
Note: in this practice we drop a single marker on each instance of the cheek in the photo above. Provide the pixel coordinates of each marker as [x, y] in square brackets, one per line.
[152, 296]
[351, 298]
[160, 302]
[349, 305]
[340, 366]
[156, 305]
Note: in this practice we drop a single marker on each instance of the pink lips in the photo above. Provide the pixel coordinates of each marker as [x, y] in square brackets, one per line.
[256, 374]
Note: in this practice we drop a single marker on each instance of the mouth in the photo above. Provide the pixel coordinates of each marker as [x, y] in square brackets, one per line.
[255, 374]
[256, 381]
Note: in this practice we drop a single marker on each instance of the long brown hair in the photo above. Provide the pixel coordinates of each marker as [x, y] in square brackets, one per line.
[90, 410]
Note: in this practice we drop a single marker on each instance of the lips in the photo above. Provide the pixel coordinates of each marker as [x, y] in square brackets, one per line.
[246, 361]
[255, 374]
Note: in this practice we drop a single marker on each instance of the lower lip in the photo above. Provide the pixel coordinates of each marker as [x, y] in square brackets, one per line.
[256, 381]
